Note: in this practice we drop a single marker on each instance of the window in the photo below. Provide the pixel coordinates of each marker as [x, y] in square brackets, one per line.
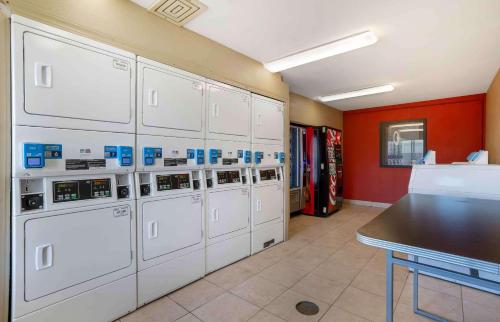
[402, 143]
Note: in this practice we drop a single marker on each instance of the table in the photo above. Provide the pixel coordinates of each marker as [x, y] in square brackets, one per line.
[455, 230]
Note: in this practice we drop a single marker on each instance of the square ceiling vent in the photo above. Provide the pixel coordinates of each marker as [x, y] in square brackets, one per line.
[178, 12]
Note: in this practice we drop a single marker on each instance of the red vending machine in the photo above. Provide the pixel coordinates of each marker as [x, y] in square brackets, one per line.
[323, 171]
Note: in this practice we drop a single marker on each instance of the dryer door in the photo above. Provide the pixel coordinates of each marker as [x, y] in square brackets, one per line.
[65, 80]
[267, 120]
[268, 203]
[171, 224]
[65, 250]
[171, 102]
[228, 211]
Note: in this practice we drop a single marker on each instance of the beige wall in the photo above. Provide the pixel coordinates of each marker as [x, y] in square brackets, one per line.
[492, 119]
[4, 165]
[306, 111]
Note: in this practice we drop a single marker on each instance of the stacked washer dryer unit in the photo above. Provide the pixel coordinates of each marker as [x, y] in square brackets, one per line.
[169, 179]
[73, 221]
[267, 173]
[228, 133]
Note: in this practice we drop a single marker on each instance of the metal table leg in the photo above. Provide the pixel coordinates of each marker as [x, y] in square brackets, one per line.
[389, 287]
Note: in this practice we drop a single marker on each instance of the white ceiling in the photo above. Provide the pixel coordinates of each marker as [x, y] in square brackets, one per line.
[428, 49]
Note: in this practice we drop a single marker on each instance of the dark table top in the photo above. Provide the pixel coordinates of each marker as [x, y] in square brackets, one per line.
[465, 227]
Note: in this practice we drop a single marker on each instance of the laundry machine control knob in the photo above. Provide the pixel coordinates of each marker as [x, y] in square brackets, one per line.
[209, 183]
[123, 192]
[32, 201]
[196, 184]
[145, 190]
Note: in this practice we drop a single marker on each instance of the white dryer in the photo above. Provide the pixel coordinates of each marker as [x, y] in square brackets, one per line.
[267, 120]
[267, 196]
[170, 101]
[227, 203]
[170, 211]
[62, 80]
[73, 246]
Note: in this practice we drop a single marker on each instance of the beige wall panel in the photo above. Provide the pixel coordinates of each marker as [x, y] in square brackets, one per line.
[492, 120]
[306, 111]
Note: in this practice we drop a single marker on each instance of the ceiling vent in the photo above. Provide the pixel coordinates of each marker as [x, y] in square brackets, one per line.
[178, 12]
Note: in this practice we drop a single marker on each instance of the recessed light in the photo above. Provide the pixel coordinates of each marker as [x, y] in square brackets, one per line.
[361, 92]
[327, 50]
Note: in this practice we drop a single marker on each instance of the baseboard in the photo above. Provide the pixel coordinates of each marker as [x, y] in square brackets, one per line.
[367, 203]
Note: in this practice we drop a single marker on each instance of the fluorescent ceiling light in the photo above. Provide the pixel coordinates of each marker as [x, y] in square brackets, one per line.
[327, 50]
[361, 92]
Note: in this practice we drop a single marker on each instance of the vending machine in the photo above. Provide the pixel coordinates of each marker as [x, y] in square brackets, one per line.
[297, 168]
[323, 171]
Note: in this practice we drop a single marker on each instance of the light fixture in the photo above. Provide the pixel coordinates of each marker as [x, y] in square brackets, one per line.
[327, 50]
[361, 92]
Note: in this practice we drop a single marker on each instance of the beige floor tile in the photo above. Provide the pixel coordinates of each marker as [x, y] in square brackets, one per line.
[161, 310]
[437, 285]
[481, 298]
[404, 313]
[230, 276]
[376, 283]
[442, 304]
[337, 272]
[308, 257]
[347, 257]
[196, 294]
[188, 318]
[226, 308]
[283, 274]
[258, 291]
[362, 303]
[336, 314]
[264, 316]
[258, 262]
[377, 265]
[284, 307]
[319, 288]
[474, 312]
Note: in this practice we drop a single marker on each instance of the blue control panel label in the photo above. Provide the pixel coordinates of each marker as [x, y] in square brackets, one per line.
[214, 155]
[53, 151]
[150, 154]
[248, 156]
[282, 157]
[258, 157]
[276, 155]
[200, 156]
[240, 154]
[34, 155]
[110, 152]
[190, 154]
[125, 156]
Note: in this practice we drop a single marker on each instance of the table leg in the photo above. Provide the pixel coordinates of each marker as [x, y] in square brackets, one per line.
[389, 286]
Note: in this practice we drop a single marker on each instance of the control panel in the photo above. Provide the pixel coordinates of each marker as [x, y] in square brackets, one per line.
[224, 177]
[149, 155]
[35, 154]
[267, 175]
[74, 190]
[173, 182]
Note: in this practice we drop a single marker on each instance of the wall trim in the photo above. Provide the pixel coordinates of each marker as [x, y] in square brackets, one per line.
[367, 203]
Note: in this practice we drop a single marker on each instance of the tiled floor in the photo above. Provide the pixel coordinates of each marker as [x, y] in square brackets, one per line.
[322, 262]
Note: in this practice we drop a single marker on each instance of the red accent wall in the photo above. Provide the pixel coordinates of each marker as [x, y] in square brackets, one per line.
[455, 127]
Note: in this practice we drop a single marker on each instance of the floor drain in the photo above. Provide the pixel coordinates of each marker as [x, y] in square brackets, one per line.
[307, 308]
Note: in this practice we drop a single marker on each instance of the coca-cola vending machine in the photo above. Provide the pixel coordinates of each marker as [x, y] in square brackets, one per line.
[323, 171]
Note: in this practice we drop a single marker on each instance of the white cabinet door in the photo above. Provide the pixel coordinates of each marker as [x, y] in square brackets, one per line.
[227, 211]
[228, 113]
[267, 119]
[171, 224]
[65, 80]
[171, 102]
[65, 250]
[268, 203]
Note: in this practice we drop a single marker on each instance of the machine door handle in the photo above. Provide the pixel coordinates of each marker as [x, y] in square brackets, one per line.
[153, 230]
[259, 119]
[44, 257]
[43, 75]
[259, 205]
[152, 97]
[215, 110]
[215, 214]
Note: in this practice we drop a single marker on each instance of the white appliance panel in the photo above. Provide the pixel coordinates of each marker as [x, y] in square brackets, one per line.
[268, 120]
[171, 101]
[267, 236]
[64, 250]
[227, 251]
[267, 203]
[227, 211]
[172, 224]
[228, 112]
[269, 152]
